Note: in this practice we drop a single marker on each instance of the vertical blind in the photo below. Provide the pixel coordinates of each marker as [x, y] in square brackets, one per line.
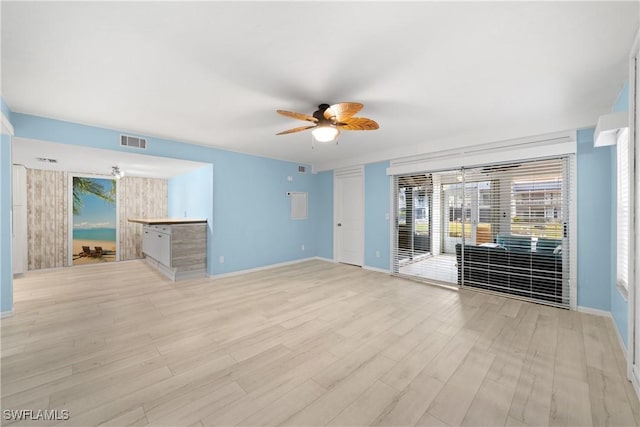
[623, 208]
[502, 227]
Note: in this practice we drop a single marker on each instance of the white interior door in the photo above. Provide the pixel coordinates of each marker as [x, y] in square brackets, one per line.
[349, 217]
[19, 219]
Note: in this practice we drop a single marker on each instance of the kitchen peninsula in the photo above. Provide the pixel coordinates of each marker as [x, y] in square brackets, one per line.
[177, 247]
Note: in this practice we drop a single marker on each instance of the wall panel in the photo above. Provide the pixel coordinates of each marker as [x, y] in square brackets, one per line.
[47, 218]
[138, 198]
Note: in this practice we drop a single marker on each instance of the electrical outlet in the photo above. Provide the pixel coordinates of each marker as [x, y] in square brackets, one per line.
[386, 216]
[221, 259]
[377, 254]
[302, 247]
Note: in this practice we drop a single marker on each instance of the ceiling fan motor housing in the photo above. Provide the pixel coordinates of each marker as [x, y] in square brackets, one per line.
[319, 113]
[334, 117]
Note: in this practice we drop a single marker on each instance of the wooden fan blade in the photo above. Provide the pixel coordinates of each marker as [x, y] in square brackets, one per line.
[298, 116]
[343, 110]
[357, 123]
[301, 128]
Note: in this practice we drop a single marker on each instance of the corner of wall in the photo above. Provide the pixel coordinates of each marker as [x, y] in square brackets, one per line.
[593, 205]
[6, 264]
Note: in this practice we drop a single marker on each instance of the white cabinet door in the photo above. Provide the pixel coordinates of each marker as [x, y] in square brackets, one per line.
[163, 245]
[148, 242]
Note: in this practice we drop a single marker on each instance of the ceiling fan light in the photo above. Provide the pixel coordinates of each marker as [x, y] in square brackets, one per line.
[325, 133]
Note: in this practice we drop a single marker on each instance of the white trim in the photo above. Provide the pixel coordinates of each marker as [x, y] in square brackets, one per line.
[352, 171]
[7, 127]
[620, 340]
[487, 136]
[320, 258]
[635, 384]
[377, 270]
[607, 314]
[608, 127]
[573, 232]
[594, 311]
[6, 314]
[118, 220]
[393, 211]
[48, 269]
[633, 321]
[541, 146]
[264, 267]
[355, 171]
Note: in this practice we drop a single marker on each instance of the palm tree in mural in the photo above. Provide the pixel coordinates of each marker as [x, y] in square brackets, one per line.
[89, 186]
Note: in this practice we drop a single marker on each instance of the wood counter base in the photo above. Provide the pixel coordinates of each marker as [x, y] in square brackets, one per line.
[178, 250]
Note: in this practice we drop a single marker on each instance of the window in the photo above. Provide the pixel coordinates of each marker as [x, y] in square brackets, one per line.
[623, 211]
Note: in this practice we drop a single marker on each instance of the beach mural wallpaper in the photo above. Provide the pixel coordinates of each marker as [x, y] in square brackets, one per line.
[94, 220]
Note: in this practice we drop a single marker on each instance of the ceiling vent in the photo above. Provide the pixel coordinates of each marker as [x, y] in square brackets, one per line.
[302, 169]
[46, 160]
[133, 141]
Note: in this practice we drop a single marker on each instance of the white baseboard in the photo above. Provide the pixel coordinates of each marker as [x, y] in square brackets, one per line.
[594, 311]
[620, 340]
[4, 314]
[379, 270]
[265, 267]
[636, 386]
[608, 314]
[319, 258]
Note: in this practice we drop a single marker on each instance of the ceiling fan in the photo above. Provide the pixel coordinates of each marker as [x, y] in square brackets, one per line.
[329, 120]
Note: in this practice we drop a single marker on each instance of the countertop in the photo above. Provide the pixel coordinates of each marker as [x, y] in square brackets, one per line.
[158, 221]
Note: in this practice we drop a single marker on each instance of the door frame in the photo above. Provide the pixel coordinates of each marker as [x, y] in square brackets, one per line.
[354, 171]
[70, 176]
[633, 302]
[450, 242]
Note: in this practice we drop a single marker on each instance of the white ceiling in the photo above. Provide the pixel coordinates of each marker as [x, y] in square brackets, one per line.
[94, 161]
[434, 75]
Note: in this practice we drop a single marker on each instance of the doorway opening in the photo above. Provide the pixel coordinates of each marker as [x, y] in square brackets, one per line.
[94, 236]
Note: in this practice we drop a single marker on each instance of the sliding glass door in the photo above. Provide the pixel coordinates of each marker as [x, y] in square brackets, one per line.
[502, 228]
[413, 217]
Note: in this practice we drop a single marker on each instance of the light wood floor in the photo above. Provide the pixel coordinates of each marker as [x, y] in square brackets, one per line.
[309, 344]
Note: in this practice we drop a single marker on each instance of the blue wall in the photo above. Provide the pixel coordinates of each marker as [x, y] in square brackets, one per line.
[6, 267]
[323, 209]
[594, 213]
[619, 307]
[5, 109]
[251, 225]
[191, 196]
[376, 206]
[594, 219]
[251, 212]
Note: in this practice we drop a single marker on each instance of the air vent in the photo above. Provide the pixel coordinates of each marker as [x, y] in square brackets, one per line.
[45, 160]
[302, 169]
[133, 141]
